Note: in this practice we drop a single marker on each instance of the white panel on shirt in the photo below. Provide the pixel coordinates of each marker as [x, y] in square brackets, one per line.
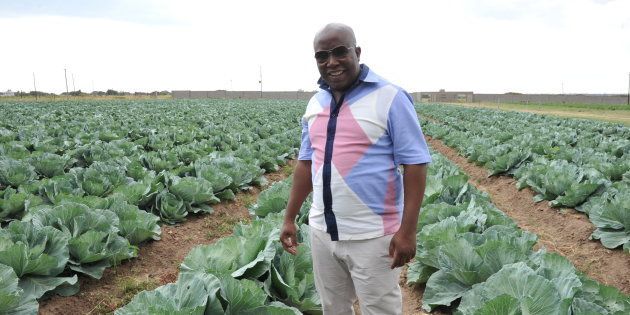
[354, 219]
[372, 111]
[312, 109]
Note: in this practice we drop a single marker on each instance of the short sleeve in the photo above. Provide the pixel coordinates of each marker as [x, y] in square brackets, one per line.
[404, 129]
[306, 151]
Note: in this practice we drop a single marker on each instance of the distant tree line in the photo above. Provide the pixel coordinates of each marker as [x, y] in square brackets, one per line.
[33, 93]
[96, 93]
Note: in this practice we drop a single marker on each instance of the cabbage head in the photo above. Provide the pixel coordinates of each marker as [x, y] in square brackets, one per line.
[193, 191]
[216, 177]
[94, 241]
[15, 173]
[273, 199]
[13, 299]
[13, 203]
[50, 164]
[32, 250]
[170, 207]
[238, 256]
[100, 179]
[135, 225]
[57, 188]
[515, 289]
[135, 192]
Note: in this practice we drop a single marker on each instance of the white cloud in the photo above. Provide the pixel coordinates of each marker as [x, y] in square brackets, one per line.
[483, 46]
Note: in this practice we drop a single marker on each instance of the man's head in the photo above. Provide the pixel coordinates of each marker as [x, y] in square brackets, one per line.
[337, 56]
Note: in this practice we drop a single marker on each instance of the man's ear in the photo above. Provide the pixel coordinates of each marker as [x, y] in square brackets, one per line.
[357, 50]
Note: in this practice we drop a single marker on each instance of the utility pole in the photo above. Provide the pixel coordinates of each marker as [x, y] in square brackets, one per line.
[65, 74]
[34, 86]
[74, 89]
[628, 88]
[260, 81]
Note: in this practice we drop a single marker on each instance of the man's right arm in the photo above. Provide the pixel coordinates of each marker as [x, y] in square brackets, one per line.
[302, 186]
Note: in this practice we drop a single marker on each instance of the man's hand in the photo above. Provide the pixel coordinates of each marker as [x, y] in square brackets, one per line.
[402, 248]
[288, 237]
[302, 186]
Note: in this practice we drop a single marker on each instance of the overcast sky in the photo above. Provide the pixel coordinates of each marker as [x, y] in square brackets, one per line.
[491, 46]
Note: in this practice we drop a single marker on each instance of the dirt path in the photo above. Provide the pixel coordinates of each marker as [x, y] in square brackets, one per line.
[565, 230]
[412, 298]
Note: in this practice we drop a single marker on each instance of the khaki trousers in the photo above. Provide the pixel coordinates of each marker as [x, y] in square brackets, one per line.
[358, 269]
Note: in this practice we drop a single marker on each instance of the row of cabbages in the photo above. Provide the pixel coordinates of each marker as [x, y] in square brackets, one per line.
[469, 251]
[245, 273]
[141, 179]
[571, 163]
[82, 205]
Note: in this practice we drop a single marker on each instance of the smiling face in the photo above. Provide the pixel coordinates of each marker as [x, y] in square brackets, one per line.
[339, 72]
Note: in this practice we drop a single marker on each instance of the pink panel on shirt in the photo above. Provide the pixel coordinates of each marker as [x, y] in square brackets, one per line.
[351, 142]
[317, 135]
[391, 219]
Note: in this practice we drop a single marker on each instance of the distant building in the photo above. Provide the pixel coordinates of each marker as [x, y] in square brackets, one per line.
[445, 97]
[7, 93]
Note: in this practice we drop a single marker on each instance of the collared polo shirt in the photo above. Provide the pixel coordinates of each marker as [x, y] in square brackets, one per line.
[355, 147]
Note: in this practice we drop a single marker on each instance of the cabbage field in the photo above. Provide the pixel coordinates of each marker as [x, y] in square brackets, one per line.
[83, 185]
[580, 164]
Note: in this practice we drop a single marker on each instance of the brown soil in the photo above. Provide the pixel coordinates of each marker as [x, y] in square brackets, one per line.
[564, 230]
[412, 298]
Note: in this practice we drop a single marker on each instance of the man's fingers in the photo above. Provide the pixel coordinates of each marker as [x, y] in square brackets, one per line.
[289, 244]
[399, 260]
[287, 241]
[396, 262]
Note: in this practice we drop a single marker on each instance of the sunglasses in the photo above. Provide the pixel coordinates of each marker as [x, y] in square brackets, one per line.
[337, 52]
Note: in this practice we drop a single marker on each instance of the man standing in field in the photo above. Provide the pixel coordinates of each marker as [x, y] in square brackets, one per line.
[356, 131]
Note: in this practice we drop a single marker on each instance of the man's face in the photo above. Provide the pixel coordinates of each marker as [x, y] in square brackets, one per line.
[338, 72]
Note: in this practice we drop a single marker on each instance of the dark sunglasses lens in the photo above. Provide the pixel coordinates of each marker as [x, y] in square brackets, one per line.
[340, 51]
[321, 56]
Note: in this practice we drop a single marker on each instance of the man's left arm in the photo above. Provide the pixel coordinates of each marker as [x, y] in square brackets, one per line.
[402, 248]
[411, 151]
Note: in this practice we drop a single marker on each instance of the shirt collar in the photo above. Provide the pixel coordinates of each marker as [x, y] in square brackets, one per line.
[365, 75]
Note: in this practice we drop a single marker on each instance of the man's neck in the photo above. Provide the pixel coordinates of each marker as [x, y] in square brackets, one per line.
[337, 95]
